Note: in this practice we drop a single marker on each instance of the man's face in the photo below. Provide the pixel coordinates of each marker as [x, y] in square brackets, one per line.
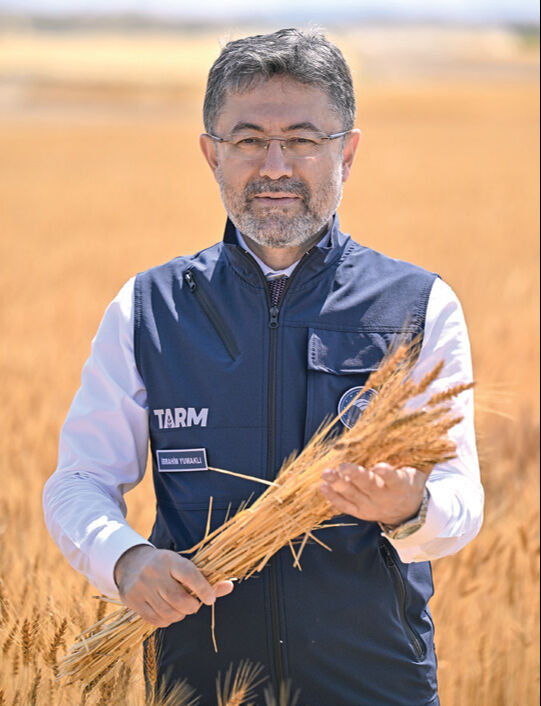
[276, 199]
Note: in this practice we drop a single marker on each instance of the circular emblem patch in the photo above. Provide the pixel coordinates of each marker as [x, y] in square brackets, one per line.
[354, 412]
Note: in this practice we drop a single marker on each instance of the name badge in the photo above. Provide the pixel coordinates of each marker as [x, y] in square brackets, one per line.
[182, 460]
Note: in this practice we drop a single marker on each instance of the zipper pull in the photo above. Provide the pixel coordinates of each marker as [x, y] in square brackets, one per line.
[273, 321]
[190, 281]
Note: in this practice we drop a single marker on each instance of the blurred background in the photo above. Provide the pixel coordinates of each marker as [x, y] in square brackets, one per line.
[101, 177]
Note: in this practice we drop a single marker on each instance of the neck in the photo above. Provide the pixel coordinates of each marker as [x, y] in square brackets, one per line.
[282, 258]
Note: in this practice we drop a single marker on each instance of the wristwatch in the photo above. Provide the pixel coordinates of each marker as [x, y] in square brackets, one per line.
[405, 529]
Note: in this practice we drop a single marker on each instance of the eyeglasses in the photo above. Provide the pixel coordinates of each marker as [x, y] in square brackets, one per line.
[299, 146]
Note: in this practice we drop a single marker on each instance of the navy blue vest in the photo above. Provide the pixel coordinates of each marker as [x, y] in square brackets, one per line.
[248, 383]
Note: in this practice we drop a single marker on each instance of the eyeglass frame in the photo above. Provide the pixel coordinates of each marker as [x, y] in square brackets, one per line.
[323, 136]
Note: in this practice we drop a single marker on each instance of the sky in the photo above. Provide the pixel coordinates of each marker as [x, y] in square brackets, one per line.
[451, 10]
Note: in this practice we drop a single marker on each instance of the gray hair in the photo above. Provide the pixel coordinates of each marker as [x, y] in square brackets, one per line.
[304, 56]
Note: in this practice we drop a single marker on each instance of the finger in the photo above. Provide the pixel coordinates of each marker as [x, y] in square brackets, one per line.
[346, 470]
[156, 617]
[383, 468]
[411, 472]
[330, 475]
[403, 477]
[364, 480]
[349, 491]
[337, 500]
[164, 609]
[187, 573]
[148, 613]
[179, 599]
[223, 588]
[388, 474]
[355, 480]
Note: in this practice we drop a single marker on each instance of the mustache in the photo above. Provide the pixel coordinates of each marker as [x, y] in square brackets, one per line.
[290, 186]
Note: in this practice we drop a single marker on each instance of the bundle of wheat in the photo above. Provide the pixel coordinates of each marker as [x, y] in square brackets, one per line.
[392, 429]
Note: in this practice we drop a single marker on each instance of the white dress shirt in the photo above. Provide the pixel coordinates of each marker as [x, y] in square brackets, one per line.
[104, 441]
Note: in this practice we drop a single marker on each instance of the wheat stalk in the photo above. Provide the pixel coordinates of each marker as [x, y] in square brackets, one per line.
[159, 693]
[238, 689]
[286, 695]
[33, 693]
[10, 638]
[56, 641]
[180, 694]
[28, 636]
[389, 430]
[4, 603]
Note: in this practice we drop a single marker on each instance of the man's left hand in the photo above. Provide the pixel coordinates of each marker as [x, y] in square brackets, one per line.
[378, 494]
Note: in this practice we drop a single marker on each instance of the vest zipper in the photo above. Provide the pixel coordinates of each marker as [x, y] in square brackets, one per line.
[398, 581]
[274, 313]
[214, 317]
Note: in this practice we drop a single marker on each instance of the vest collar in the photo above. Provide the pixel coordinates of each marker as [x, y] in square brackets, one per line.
[320, 257]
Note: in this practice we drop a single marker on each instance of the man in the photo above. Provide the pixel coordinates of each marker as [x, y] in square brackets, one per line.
[232, 358]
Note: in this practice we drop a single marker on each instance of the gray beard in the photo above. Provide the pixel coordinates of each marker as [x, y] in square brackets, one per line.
[273, 227]
[280, 231]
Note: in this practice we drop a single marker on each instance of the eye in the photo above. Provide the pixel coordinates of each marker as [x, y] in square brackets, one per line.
[302, 141]
[248, 142]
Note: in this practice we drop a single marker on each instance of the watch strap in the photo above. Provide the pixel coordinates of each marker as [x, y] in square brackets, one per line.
[407, 528]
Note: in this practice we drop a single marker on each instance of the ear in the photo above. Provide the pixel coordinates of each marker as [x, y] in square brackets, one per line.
[350, 148]
[208, 148]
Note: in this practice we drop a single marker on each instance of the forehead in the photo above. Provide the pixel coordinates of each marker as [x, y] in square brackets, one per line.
[277, 104]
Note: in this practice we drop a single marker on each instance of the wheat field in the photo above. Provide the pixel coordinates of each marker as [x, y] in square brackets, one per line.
[91, 193]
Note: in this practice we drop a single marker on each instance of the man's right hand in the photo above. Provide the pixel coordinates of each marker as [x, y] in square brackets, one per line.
[163, 587]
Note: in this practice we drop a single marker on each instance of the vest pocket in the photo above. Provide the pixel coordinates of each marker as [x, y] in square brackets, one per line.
[212, 313]
[339, 362]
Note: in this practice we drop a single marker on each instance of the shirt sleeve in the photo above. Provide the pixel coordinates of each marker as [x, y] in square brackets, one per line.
[102, 453]
[455, 507]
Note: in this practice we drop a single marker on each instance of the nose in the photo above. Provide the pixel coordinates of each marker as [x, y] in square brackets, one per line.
[275, 164]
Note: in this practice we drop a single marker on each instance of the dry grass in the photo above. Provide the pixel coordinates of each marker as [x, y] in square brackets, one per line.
[446, 177]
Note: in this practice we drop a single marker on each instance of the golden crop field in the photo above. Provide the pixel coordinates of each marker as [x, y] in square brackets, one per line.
[446, 176]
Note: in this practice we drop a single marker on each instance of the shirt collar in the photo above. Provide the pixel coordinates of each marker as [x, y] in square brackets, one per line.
[268, 271]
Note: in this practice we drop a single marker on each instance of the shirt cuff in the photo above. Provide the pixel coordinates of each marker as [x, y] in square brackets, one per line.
[108, 546]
